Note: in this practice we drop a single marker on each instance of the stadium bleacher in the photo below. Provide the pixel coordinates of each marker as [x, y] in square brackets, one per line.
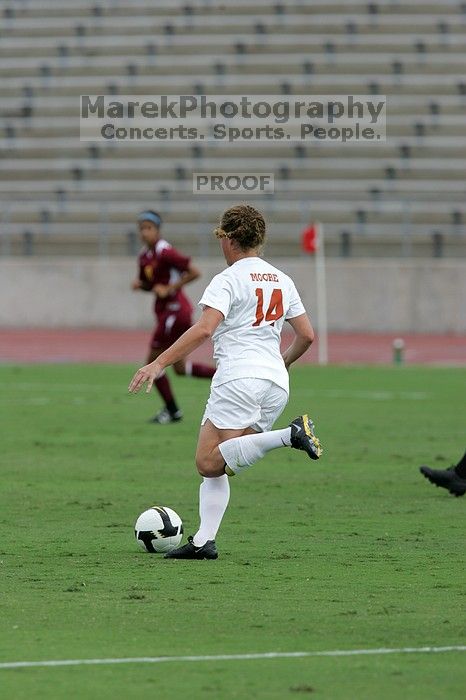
[60, 195]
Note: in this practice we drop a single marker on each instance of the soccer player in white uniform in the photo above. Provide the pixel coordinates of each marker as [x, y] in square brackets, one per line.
[243, 311]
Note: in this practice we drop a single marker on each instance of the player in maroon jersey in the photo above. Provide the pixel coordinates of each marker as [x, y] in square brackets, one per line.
[163, 270]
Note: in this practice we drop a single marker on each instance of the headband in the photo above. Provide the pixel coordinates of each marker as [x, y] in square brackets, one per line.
[150, 216]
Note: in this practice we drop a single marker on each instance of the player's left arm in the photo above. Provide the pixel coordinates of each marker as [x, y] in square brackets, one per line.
[304, 337]
[190, 340]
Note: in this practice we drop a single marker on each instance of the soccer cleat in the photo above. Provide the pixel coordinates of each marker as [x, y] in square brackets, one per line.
[447, 478]
[303, 438]
[164, 416]
[190, 551]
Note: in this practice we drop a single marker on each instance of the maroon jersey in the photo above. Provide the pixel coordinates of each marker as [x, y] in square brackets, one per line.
[164, 265]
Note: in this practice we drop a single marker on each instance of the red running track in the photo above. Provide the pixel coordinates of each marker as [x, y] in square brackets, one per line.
[104, 345]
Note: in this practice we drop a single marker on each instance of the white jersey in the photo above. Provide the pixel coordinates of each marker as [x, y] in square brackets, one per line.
[255, 299]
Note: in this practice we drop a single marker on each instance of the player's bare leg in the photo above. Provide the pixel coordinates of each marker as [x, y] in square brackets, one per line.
[170, 413]
[214, 492]
[180, 368]
[186, 368]
[209, 459]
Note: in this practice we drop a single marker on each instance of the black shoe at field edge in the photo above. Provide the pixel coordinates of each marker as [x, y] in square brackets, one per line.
[303, 437]
[190, 551]
[164, 416]
[446, 478]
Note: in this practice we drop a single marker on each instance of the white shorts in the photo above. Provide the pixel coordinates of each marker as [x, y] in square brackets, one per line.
[245, 403]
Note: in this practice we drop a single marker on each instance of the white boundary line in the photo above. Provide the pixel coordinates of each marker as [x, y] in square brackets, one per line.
[229, 657]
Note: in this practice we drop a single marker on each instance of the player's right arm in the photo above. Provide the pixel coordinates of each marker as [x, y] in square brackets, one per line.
[304, 337]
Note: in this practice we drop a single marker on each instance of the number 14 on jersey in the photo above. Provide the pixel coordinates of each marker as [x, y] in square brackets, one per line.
[274, 309]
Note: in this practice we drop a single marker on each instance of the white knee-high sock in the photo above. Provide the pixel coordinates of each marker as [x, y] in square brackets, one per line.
[240, 452]
[214, 495]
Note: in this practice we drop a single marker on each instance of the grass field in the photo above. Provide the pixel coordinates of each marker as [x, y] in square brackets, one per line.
[354, 552]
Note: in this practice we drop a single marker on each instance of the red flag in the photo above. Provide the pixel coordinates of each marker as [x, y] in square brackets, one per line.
[309, 239]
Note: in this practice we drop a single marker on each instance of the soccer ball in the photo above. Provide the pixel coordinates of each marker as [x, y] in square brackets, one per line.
[158, 530]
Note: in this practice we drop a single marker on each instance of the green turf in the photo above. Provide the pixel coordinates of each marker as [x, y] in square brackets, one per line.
[354, 552]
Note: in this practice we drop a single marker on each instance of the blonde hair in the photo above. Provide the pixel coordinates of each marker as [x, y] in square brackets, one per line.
[244, 225]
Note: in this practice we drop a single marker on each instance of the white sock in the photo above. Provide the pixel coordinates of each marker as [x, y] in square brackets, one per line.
[214, 495]
[188, 368]
[241, 452]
